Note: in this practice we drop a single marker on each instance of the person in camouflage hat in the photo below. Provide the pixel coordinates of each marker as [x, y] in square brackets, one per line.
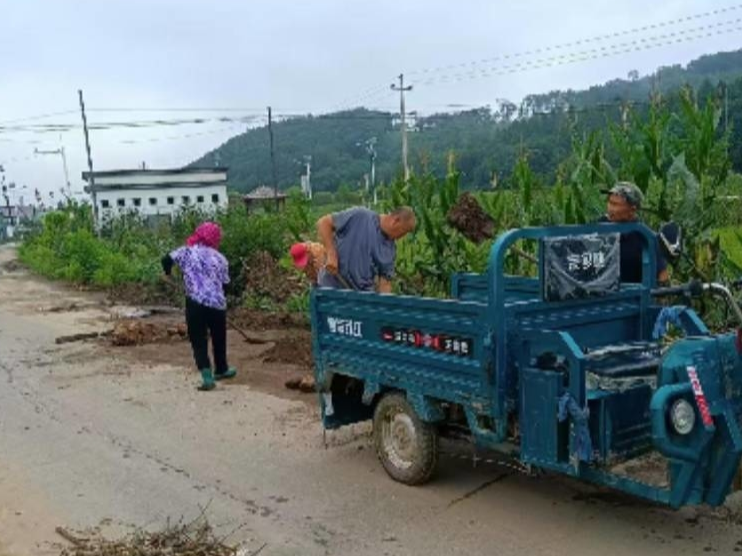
[624, 202]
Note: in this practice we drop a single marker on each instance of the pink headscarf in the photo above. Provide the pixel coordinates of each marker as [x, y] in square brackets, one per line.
[208, 234]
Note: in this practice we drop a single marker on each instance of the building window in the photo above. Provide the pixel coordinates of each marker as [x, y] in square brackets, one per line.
[121, 202]
[153, 201]
[215, 198]
[137, 202]
[200, 199]
[105, 204]
[171, 200]
[186, 199]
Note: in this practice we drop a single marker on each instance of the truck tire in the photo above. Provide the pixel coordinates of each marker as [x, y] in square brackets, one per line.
[406, 445]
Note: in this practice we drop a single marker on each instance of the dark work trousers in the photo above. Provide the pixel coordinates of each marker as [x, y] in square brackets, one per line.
[202, 321]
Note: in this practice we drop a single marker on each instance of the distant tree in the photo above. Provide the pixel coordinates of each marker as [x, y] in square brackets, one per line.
[485, 141]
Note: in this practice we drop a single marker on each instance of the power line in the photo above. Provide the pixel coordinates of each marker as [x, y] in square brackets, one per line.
[587, 55]
[176, 109]
[370, 93]
[379, 90]
[39, 117]
[580, 42]
[175, 137]
[56, 128]
[16, 159]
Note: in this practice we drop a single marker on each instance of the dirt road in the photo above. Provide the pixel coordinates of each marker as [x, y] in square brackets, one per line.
[119, 437]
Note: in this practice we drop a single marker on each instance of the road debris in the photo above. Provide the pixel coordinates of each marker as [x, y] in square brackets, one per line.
[295, 348]
[125, 312]
[195, 538]
[253, 319]
[69, 307]
[302, 383]
[11, 266]
[81, 337]
[143, 311]
[137, 332]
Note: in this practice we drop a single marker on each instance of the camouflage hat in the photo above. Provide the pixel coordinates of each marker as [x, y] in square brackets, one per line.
[628, 191]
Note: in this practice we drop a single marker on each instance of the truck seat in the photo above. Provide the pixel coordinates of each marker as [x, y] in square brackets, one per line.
[625, 360]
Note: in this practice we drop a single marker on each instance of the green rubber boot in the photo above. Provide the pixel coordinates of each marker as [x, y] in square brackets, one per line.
[208, 380]
[229, 373]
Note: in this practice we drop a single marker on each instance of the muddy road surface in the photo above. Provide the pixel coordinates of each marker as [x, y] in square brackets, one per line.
[118, 437]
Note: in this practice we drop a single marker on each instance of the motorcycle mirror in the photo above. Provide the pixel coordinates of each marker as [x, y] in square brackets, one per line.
[671, 240]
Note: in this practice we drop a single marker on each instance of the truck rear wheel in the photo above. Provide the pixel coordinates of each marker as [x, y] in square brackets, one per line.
[406, 445]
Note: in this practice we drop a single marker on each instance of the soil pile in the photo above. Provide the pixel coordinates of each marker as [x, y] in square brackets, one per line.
[469, 218]
[296, 348]
[138, 332]
[264, 277]
[251, 319]
[12, 266]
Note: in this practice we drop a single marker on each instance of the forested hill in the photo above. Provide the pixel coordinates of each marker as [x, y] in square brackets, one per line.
[486, 141]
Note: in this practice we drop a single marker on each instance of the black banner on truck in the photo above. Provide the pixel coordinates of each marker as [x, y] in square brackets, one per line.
[442, 343]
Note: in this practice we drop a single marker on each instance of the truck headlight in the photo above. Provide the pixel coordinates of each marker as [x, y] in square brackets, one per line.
[682, 416]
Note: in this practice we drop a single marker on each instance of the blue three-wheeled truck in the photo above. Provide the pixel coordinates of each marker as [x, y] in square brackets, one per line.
[571, 371]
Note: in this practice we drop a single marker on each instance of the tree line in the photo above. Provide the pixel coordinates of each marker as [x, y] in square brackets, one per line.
[486, 141]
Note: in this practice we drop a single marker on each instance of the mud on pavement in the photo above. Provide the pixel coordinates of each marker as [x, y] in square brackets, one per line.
[91, 431]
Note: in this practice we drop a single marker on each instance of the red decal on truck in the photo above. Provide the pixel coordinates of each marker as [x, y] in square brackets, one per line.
[703, 406]
[463, 347]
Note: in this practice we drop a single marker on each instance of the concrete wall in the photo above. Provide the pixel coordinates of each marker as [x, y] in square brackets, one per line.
[167, 200]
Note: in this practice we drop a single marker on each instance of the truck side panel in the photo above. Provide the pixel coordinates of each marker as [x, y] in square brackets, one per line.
[427, 347]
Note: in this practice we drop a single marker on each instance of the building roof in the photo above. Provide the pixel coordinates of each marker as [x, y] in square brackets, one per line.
[155, 179]
[160, 172]
[264, 192]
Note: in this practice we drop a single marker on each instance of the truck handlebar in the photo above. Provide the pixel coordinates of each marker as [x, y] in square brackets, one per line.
[695, 288]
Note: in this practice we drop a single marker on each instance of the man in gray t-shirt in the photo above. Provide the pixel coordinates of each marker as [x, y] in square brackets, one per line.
[360, 247]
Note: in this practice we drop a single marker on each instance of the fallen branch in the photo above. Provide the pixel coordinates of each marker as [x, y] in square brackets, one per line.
[81, 337]
[162, 309]
[69, 537]
[195, 538]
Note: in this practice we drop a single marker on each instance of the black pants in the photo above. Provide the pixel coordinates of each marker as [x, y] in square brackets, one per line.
[202, 321]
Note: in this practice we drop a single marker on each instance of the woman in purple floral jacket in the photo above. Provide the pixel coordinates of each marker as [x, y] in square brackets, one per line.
[205, 272]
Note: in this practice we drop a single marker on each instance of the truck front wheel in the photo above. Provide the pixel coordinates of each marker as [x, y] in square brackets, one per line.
[406, 445]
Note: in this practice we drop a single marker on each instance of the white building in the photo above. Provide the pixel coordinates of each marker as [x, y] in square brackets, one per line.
[156, 193]
[12, 217]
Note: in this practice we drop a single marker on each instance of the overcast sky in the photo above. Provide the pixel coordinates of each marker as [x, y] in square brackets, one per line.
[301, 56]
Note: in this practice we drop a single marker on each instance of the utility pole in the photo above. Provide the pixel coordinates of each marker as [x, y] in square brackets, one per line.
[402, 89]
[273, 158]
[371, 150]
[59, 151]
[91, 178]
[66, 172]
[308, 163]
